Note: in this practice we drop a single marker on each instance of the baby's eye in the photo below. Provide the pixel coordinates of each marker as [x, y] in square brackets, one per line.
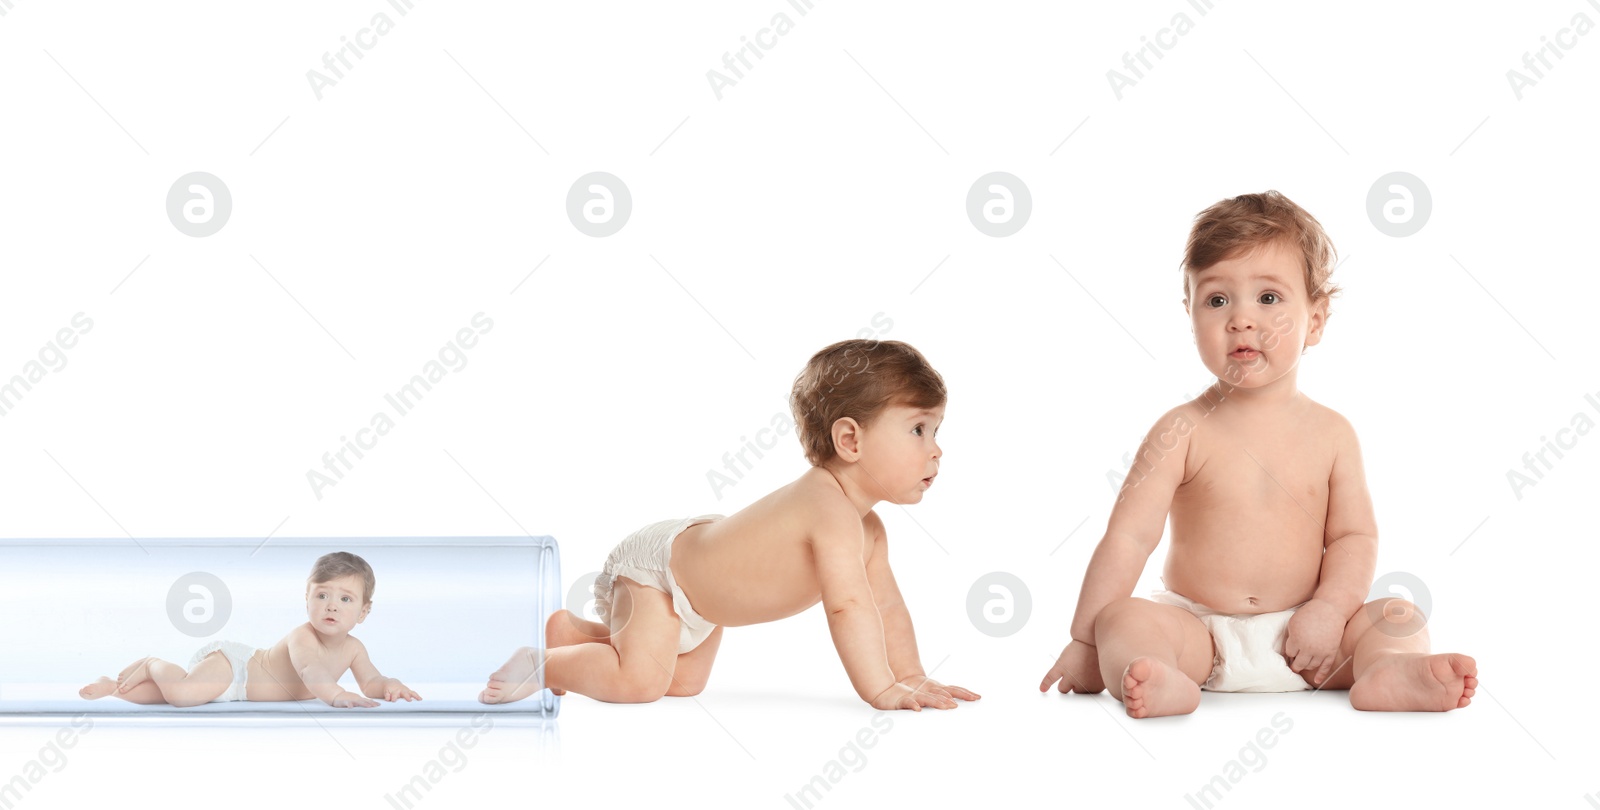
[344, 598]
[1216, 301]
[1269, 298]
[917, 430]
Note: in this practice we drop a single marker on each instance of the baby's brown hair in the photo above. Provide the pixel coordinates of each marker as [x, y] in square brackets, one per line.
[1236, 226]
[330, 567]
[858, 379]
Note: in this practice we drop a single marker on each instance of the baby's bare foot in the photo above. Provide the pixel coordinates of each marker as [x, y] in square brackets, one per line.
[98, 689]
[1415, 682]
[520, 677]
[1152, 688]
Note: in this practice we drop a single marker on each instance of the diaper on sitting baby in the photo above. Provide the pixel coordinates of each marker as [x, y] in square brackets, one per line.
[1249, 647]
[646, 558]
[238, 656]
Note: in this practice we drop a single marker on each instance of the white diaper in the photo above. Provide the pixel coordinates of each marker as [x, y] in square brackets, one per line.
[646, 558]
[238, 656]
[1249, 647]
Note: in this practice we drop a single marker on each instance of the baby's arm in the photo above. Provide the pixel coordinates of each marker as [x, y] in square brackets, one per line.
[311, 664]
[899, 636]
[373, 684]
[1132, 533]
[853, 619]
[1350, 554]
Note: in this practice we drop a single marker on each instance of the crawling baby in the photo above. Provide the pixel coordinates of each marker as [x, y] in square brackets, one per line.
[867, 413]
[1273, 537]
[307, 663]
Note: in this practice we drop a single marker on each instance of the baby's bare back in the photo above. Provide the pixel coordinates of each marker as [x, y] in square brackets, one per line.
[757, 565]
[1248, 518]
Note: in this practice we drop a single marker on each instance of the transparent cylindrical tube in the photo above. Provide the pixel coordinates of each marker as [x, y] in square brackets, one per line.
[446, 612]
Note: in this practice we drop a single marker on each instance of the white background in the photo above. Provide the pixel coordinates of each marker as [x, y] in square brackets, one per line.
[824, 187]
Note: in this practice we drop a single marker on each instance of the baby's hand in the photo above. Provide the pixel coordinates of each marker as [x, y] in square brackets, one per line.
[901, 696]
[1078, 670]
[923, 683]
[395, 690]
[1315, 631]
[349, 700]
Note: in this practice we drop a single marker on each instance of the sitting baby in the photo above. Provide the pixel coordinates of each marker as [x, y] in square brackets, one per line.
[1273, 538]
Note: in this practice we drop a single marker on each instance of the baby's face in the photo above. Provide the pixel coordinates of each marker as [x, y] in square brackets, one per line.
[899, 454]
[1252, 316]
[335, 607]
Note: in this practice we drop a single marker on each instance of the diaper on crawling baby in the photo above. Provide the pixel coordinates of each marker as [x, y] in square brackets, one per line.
[646, 558]
[1249, 647]
[238, 655]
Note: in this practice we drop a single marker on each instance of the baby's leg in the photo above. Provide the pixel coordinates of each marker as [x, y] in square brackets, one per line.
[521, 676]
[635, 667]
[1153, 657]
[135, 676]
[565, 628]
[689, 677]
[1386, 645]
[152, 680]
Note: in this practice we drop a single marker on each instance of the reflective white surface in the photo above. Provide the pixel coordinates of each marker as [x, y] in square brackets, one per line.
[445, 612]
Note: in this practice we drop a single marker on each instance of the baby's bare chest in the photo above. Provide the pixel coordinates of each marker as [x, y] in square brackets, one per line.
[1263, 471]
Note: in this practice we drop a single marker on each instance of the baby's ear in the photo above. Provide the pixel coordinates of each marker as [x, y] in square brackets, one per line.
[1319, 321]
[847, 439]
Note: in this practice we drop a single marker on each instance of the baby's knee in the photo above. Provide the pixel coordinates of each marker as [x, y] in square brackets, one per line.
[183, 699]
[643, 687]
[687, 687]
[561, 622]
[1395, 606]
[1119, 613]
[1391, 613]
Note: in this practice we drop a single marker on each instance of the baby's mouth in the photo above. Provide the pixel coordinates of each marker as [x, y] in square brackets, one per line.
[1244, 353]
